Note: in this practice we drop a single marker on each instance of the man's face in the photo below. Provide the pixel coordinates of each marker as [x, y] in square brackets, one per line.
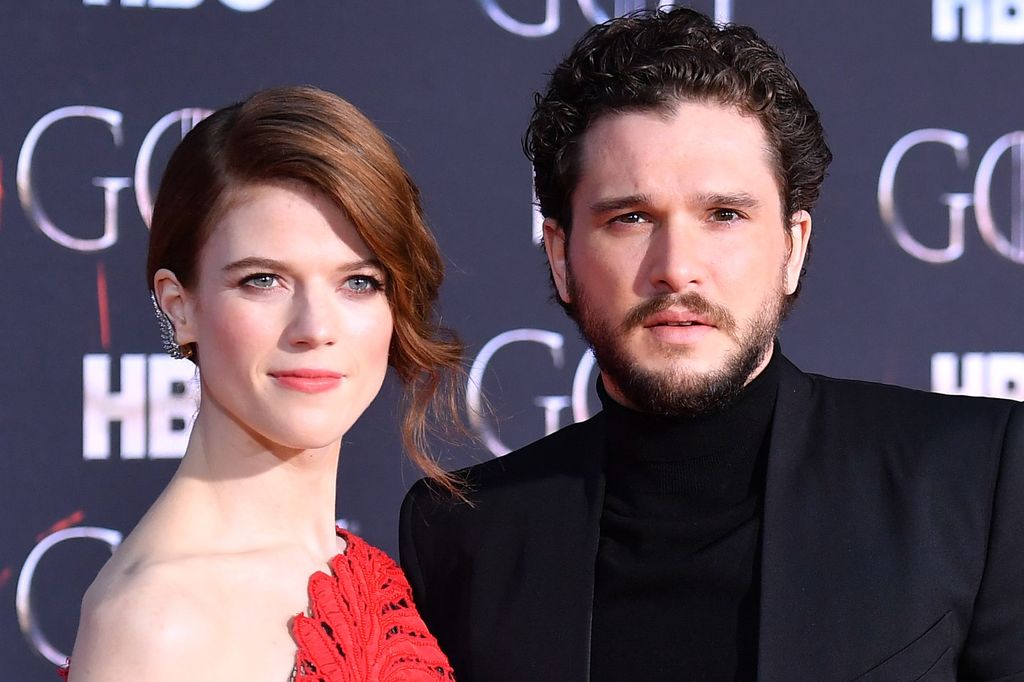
[678, 263]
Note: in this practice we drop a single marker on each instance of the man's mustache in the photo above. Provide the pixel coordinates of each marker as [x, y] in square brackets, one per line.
[691, 301]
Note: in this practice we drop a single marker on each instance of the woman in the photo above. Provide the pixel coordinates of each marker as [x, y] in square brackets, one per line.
[289, 260]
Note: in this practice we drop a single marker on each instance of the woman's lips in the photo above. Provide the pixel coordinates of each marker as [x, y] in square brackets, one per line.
[307, 380]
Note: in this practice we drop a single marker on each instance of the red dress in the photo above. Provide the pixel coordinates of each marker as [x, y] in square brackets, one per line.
[362, 625]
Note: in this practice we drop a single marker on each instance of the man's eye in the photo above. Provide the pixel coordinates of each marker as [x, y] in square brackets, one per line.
[725, 215]
[261, 281]
[631, 218]
[362, 284]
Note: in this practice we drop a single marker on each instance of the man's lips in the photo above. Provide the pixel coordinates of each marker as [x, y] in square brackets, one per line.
[678, 326]
[679, 316]
[676, 318]
[307, 380]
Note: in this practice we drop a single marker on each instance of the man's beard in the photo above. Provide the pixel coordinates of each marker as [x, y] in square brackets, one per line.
[676, 391]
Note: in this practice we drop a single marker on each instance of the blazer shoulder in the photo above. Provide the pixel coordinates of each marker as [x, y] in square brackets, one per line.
[567, 451]
[884, 408]
[886, 395]
[573, 452]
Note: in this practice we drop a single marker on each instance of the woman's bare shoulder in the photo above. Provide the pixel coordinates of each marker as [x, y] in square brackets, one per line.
[155, 621]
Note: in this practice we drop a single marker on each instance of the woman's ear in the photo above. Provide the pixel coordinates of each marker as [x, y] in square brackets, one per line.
[176, 304]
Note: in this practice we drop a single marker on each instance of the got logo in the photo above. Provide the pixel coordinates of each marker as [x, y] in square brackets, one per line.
[111, 186]
[1007, 241]
[591, 9]
[237, 5]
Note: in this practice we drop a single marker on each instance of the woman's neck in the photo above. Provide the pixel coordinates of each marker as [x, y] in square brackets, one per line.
[249, 494]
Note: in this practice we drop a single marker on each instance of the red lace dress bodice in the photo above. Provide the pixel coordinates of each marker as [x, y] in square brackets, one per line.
[362, 625]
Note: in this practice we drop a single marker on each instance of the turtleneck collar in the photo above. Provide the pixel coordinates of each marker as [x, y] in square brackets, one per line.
[712, 460]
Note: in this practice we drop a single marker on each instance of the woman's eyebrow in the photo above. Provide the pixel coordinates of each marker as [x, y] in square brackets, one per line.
[255, 262]
[259, 263]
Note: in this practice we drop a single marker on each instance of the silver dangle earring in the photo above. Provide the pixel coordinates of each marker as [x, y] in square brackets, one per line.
[167, 334]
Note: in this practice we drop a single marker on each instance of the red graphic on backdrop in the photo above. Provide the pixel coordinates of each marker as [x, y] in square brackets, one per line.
[103, 303]
[5, 576]
[72, 519]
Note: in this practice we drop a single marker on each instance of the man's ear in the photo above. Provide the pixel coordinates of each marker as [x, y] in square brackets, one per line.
[555, 245]
[799, 237]
[177, 305]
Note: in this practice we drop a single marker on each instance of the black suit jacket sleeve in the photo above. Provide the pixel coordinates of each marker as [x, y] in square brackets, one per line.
[505, 581]
[429, 566]
[994, 649]
[409, 521]
[407, 547]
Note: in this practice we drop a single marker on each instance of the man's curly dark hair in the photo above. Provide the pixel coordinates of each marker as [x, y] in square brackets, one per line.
[652, 59]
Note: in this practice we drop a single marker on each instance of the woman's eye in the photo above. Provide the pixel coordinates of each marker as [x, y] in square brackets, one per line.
[261, 281]
[362, 284]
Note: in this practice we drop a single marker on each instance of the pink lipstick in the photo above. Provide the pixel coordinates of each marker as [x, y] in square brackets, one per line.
[307, 380]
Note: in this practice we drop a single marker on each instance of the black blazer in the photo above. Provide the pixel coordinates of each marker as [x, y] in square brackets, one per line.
[893, 544]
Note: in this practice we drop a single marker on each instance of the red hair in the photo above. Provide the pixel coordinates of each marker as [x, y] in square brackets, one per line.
[318, 139]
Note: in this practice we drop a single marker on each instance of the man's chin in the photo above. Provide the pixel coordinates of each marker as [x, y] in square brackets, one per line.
[683, 385]
[676, 394]
[681, 361]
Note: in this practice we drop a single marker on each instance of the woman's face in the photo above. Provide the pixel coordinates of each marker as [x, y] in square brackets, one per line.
[290, 317]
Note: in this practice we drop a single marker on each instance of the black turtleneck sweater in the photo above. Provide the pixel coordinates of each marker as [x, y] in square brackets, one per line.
[676, 595]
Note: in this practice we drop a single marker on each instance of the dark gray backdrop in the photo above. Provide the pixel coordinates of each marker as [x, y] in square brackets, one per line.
[451, 82]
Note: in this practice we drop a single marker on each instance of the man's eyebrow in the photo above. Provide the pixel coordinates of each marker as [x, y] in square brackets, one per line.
[619, 203]
[724, 199]
[727, 199]
[258, 263]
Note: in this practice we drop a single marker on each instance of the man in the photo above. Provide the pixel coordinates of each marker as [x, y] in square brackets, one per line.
[726, 516]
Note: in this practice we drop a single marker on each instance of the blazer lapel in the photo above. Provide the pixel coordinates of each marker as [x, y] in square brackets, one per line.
[787, 561]
[582, 577]
[549, 578]
[576, 623]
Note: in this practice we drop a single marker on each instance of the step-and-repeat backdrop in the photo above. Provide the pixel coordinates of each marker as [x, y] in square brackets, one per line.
[916, 275]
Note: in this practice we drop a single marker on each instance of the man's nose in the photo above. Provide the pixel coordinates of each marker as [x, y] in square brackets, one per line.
[676, 257]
